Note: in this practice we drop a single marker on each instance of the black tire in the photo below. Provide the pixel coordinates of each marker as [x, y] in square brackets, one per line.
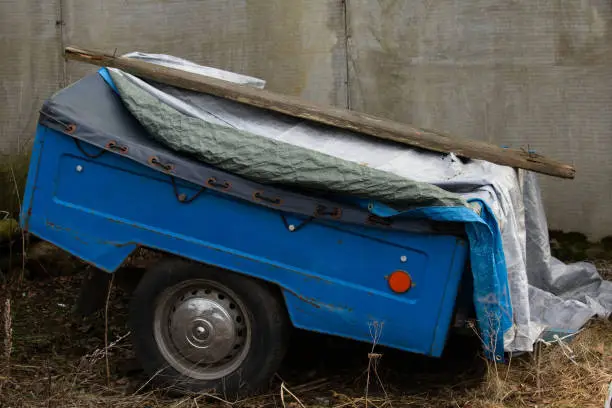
[269, 329]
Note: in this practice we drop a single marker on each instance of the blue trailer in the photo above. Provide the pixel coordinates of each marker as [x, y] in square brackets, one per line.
[245, 262]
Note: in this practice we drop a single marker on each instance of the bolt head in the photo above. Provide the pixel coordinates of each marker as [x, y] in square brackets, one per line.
[403, 258]
[201, 332]
[291, 227]
[79, 168]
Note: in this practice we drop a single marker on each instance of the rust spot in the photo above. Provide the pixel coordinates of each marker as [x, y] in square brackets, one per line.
[54, 226]
[308, 276]
[212, 182]
[258, 196]
[310, 301]
[154, 161]
[64, 229]
[376, 220]
[320, 211]
[112, 145]
[302, 298]
[318, 304]
[117, 244]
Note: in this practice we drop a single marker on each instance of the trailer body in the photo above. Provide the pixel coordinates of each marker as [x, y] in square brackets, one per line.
[333, 276]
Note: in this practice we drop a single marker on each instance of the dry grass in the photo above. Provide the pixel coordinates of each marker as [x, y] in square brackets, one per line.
[59, 362]
[575, 373]
[582, 382]
[604, 267]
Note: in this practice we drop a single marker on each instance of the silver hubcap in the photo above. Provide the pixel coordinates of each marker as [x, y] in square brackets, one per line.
[201, 329]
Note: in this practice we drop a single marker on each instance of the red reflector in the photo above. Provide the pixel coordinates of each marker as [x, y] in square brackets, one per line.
[400, 281]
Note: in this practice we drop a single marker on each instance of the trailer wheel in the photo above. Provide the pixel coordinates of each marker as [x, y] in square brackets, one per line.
[203, 329]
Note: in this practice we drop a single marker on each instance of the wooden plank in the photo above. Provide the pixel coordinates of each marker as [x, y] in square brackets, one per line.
[337, 117]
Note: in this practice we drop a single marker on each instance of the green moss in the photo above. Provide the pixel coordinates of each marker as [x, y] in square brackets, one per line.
[8, 228]
[13, 174]
[573, 237]
[574, 247]
[606, 242]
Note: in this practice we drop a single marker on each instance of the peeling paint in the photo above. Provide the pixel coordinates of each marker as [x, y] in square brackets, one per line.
[318, 304]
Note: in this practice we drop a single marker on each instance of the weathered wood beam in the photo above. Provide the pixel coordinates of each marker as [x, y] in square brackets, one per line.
[337, 117]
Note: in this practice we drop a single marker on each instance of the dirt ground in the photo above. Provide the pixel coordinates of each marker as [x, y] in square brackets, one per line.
[59, 360]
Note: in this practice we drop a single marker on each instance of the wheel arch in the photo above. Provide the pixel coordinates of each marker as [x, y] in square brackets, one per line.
[95, 285]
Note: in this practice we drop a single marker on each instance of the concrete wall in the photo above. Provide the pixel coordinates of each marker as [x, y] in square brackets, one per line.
[524, 73]
[514, 72]
[290, 43]
[29, 66]
[293, 44]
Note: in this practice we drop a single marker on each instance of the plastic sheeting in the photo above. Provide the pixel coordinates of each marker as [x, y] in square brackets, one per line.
[546, 295]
